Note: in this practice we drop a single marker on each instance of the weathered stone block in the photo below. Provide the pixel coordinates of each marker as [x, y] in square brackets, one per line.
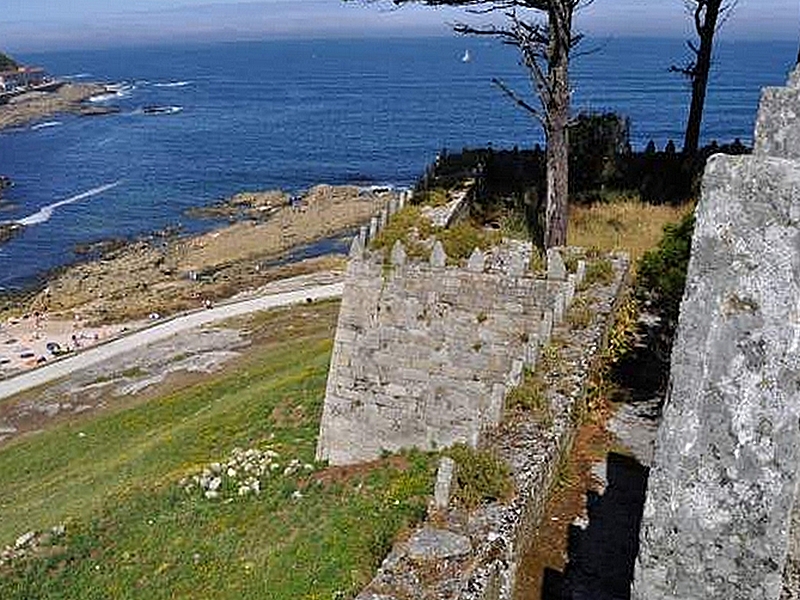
[556, 270]
[438, 256]
[356, 249]
[546, 327]
[721, 490]
[398, 257]
[580, 273]
[373, 228]
[477, 261]
[569, 290]
[778, 123]
[432, 543]
[444, 482]
[558, 308]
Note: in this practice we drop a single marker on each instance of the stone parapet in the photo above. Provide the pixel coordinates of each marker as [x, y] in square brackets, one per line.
[425, 353]
[474, 556]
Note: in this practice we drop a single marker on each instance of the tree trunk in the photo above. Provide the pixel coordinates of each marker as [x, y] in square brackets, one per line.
[706, 30]
[557, 176]
[557, 127]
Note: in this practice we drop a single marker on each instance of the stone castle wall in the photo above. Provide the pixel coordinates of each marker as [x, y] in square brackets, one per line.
[425, 353]
[475, 556]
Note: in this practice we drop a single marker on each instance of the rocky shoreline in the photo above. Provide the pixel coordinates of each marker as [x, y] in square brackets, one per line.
[67, 98]
[167, 274]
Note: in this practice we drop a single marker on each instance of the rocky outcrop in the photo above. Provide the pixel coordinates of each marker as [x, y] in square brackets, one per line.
[69, 97]
[717, 519]
[9, 230]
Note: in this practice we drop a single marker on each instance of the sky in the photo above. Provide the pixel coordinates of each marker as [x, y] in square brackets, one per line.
[32, 25]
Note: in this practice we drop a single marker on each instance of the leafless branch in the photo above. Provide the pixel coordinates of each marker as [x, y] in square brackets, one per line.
[725, 13]
[518, 100]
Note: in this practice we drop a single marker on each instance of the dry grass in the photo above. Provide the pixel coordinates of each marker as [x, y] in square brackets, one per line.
[629, 225]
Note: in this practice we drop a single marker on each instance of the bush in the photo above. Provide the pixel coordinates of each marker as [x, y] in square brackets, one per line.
[662, 272]
[480, 476]
[461, 239]
[599, 271]
[530, 396]
[7, 63]
[400, 227]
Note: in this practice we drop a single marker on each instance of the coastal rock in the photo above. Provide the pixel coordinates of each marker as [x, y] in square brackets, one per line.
[9, 230]
[94, 111]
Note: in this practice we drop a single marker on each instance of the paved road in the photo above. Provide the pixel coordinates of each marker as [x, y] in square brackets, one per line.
[98, 354]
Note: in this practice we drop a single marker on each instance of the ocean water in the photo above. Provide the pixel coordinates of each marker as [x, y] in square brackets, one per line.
[289, 114]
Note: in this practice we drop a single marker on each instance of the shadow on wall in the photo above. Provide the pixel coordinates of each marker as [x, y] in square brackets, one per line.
[602, 556]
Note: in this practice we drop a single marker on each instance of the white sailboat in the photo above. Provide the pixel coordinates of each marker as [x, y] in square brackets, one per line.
[466, 58]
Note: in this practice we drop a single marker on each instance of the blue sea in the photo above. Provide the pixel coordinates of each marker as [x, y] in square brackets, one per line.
[290, 114]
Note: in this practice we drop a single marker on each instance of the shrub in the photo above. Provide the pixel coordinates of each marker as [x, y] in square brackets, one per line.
[435, 197]
[580, 314]
[530, 396]
[480, 476]
[599, 271]
[461, 239]
[662, 272]
[400, 227]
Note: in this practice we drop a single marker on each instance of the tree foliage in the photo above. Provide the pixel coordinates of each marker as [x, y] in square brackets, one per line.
[662, 272]
[7, 63]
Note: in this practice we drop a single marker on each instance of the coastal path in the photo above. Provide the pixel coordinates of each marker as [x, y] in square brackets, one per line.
[163, 330]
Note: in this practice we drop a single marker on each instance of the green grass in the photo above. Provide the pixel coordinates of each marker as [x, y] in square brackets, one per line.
[598, 271]
[133, 532]
[530, 397]
[481, 476]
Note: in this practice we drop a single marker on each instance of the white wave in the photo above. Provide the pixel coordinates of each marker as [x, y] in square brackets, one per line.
[104, 97]
[43, 215]
[113, 91]
[123, 86]
[46, 125]
[173, 84]
[78, 76]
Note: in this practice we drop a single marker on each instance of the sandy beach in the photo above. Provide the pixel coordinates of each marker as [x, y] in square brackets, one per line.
[34, 339]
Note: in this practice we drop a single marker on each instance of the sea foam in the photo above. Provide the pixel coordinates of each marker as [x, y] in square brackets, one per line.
[43, 215]
[46, 125]
[173, 84]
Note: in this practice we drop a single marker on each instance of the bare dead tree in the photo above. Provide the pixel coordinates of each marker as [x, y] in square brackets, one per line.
[544, 46]
[708, 17]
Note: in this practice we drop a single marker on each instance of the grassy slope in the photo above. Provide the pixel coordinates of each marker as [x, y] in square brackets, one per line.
[133, 533]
